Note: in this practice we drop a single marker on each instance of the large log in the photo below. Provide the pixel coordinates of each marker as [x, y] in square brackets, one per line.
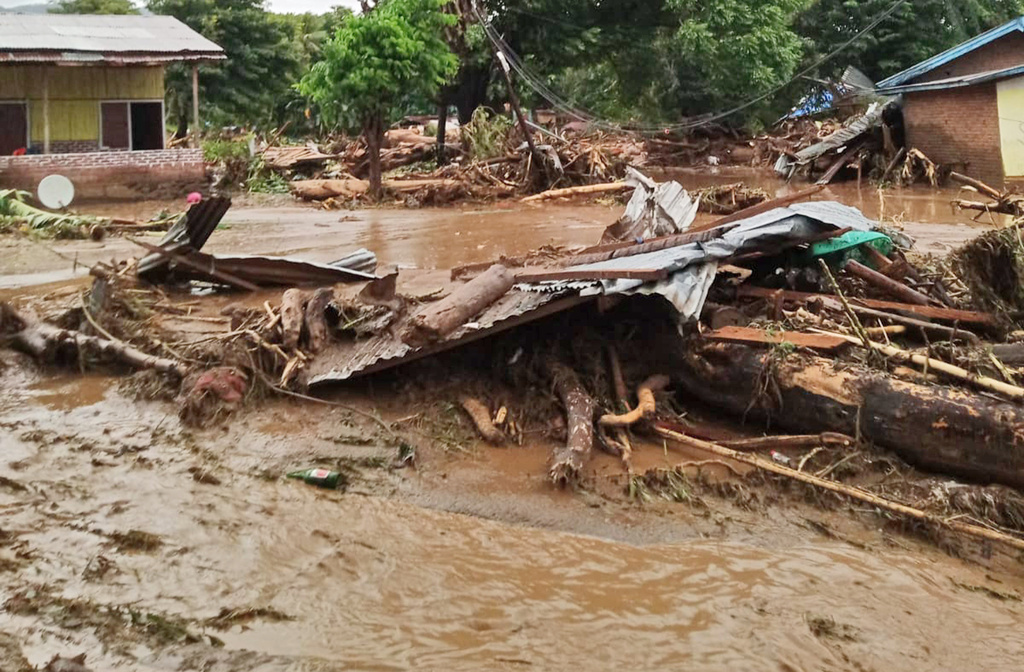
[940, 429]
[568, 460]
[441, 318]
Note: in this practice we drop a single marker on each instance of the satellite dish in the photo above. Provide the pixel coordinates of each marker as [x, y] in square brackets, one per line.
[56, 192]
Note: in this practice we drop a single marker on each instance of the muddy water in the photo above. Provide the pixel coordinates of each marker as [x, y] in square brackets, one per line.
[371, 583]
[433, 238]
[408, 589]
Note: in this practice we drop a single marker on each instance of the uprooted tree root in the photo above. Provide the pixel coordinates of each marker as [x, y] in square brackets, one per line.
[992, 267]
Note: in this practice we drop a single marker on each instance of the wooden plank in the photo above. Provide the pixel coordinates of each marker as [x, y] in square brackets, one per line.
[932, 312]
[761, 208]
[619, 250]
[752, 335]
[555, 275]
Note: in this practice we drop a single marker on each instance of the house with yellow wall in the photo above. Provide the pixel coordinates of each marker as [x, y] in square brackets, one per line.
[77, 83]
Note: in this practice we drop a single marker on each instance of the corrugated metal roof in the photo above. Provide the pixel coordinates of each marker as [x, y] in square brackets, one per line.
[107, 35]
[343, 360]
[956, 82]
[911, 73]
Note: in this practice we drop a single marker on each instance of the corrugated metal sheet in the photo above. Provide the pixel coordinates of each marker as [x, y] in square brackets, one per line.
[72, 58]
[343, 360]
[106, 35]
[956, 82]
[842, 137]
[956, 52]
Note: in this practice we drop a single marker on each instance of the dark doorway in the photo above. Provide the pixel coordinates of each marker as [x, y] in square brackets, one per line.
[13, 127]
[114, 126]
[147, 126]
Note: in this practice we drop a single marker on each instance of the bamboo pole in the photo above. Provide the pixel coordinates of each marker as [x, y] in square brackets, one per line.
[849, 491]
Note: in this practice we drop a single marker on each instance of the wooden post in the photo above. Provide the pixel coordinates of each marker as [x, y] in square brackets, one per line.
[514, 100]
[46, 110]
[195, 103]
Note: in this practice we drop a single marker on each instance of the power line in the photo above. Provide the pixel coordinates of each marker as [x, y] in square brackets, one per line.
[563, 105]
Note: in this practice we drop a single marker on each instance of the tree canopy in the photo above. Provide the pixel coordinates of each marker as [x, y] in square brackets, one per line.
[95, 7]
[643, 61]
[376, 62]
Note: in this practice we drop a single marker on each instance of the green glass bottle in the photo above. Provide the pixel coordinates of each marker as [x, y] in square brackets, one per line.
[322, 478]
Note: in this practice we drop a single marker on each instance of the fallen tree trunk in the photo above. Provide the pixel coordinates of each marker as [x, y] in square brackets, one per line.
[568, 460]
[441, 318]
[49, 343]
[886, 284]
[940, 429]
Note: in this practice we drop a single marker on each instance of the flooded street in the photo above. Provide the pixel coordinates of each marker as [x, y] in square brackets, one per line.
[307, 579]
[152, 546]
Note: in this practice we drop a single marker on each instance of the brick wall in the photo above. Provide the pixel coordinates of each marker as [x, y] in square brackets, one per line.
[110, 174]
[1006, 52]
[70, 146]
[957, 126]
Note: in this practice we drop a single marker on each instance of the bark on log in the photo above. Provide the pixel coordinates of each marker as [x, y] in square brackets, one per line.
[316, 318]
[439, 319]
[292, 313]
[944, 430]
[977, 184]
[1009, 353]
[48, 343]
[481, 417]
[568, 460]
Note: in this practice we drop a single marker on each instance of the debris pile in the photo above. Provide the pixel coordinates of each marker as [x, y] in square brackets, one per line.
[788, 316]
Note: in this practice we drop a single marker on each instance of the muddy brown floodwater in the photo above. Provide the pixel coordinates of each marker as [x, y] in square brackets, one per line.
[431, 238]
[149, 546]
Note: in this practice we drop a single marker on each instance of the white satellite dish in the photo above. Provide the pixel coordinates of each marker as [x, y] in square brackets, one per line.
[56, 192]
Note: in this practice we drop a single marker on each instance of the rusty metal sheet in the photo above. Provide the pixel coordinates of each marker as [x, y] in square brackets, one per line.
[341, 361]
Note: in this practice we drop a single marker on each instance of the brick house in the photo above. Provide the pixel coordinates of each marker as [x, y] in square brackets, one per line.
[966, 105]
[84, 96]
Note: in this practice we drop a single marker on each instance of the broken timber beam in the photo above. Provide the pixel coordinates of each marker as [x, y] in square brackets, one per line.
[931, 312]
[555, 275]
[761, 208]
[737, 334]
[897, 289]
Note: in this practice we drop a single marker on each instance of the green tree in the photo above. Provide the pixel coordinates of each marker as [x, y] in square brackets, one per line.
[375, 62]
[95, 7]
[916, 31]
[263, 62]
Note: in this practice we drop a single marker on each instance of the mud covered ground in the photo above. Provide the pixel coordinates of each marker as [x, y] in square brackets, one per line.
[148, 545]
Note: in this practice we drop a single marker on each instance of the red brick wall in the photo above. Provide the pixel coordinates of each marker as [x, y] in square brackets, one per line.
[1006, 52]
[957, 126]
[110, 174]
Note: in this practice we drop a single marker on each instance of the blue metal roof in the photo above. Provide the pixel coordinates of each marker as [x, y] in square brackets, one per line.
[1017, 25]
[955, 82]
